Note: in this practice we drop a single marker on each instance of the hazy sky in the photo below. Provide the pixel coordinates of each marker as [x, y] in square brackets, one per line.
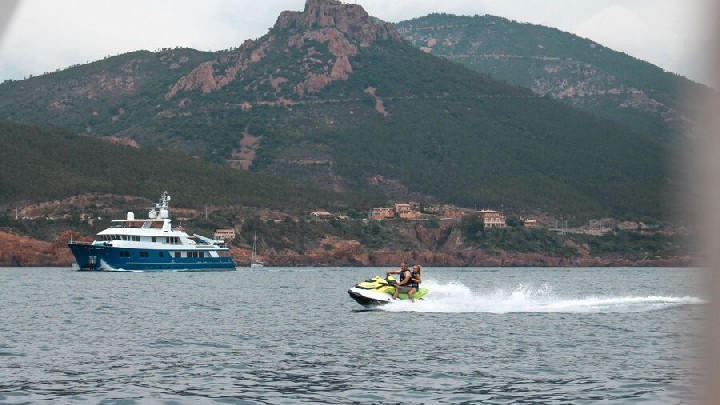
[45, 35]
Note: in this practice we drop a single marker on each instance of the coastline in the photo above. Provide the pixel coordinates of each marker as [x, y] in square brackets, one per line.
[22, 251]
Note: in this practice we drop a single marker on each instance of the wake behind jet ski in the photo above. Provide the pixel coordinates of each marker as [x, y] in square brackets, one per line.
[379, 291]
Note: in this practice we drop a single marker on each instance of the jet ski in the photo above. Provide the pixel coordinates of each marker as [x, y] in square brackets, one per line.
[379, 291]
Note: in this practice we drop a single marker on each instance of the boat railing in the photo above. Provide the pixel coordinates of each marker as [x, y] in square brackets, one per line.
[206, 240]
[76, 242]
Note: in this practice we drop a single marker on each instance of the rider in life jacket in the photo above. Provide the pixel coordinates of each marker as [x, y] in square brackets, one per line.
[415, 280]
[404, 280]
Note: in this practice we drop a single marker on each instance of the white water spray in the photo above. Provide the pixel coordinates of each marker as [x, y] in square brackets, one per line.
[456, 297]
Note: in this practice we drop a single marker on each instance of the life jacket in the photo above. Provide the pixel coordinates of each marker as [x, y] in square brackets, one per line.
[415, 279]
[402, 275]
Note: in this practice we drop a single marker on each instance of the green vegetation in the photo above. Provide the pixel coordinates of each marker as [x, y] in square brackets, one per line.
[513, 239]
[46, 164]
[47, 229]
[302, 235]
[634, 245]
[473, 141]
[538, 57]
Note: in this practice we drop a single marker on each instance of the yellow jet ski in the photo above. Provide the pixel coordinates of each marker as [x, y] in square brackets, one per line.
[379, 291]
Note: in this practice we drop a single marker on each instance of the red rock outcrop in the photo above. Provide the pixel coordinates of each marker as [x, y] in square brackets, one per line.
[351, 19]
[16, 250]
[342, 27]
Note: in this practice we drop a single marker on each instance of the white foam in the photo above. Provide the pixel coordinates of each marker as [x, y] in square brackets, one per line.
[455, 297]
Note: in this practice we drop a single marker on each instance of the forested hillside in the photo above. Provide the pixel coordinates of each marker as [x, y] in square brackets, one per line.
[563, 66]
[40, 164]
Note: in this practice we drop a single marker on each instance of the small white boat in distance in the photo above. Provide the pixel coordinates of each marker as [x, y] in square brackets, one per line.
[254, 262]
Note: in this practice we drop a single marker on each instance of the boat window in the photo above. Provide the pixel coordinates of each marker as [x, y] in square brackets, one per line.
[177, 254]
[202, 254]
[144, 254]
[124, 253]
[161, 254]
[154, 239]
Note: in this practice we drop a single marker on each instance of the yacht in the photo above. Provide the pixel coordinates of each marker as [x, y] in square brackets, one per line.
[151, 244]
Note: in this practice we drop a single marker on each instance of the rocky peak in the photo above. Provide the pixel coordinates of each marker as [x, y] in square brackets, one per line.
[343, 28]
[350, 19]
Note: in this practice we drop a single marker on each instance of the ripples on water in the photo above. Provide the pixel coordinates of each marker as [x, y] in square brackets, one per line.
[264, 336]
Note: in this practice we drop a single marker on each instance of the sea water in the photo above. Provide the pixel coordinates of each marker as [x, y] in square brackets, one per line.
[293, 335]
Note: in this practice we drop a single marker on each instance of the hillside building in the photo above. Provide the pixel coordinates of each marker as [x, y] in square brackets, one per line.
[492, 219]
[224, 234]
[381, 213]
[451, 212]
[406, 211]
[321, 215]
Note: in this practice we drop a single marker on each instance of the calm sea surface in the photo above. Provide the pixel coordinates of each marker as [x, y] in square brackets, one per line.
[293, 335]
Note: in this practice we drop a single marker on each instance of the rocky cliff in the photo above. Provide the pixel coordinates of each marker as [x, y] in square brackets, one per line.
[340, 28]
[17, 250]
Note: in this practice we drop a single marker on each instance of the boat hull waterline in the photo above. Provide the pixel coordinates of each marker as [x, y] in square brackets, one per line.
[91, 257]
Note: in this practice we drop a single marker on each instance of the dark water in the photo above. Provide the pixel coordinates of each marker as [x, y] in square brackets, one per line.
[272, 335]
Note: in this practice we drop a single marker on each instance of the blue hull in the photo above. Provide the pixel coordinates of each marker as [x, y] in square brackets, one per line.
[98, 257]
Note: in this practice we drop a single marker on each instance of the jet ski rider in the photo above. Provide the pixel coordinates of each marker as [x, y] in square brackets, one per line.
[415, 280]
[405, 281]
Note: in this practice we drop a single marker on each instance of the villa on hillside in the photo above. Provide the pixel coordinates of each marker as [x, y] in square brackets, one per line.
[224, 234]
[452, 213]
[407, 211]
[492, 219]
[381, 213]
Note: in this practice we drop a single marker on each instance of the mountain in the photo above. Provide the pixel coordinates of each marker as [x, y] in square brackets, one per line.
[332, 97]
[562, 66]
